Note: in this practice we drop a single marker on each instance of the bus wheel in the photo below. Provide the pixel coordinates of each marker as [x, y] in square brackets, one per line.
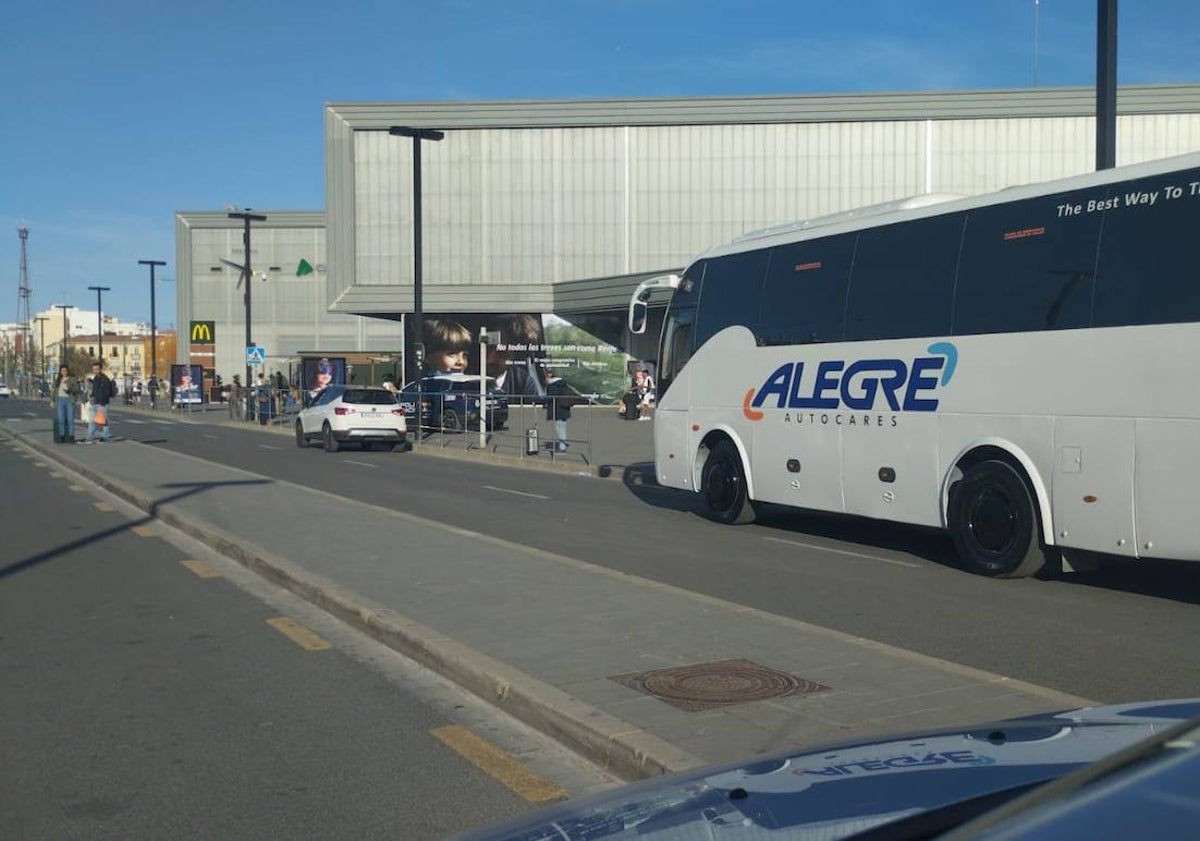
[994, 524]
[725, 486]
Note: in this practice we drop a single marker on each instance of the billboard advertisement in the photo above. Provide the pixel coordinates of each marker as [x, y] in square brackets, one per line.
[186, 383]
[529, 346]
[318, 373]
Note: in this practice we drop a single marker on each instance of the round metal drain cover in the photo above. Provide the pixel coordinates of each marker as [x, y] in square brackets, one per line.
[722, 683]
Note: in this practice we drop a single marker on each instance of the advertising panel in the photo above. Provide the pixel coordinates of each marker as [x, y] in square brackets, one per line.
[529, 346]
[186, 381]
[318, 373]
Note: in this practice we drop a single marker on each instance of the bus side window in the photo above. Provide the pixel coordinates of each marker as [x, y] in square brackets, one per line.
[804, 296]
[732, 294]
[1028, 266]
[1149, 255]
[678, 342]
[902, 285]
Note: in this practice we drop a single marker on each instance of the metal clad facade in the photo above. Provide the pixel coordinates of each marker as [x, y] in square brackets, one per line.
[521, 198]
[289, 312]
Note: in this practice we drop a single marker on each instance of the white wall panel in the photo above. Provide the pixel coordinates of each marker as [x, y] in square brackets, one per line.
[533, 206]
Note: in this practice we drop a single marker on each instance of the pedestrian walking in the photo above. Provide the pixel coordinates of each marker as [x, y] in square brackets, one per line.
[65, 396]
[102, 391]
[559, 399]
[152, 387]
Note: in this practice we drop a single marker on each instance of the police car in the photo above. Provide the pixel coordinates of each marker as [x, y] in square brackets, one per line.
[450, 402]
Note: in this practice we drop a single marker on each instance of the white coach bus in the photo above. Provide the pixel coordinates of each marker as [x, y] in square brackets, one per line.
[1021, 369]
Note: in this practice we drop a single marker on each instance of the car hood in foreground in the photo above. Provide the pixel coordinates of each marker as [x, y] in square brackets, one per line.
[836, 792]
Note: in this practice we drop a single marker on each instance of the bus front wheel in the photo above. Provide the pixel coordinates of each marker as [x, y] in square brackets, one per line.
[994, 523]
[725, 486]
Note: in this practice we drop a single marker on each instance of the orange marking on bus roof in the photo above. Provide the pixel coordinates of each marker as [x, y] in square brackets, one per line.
[1024, 232]
[804, 267]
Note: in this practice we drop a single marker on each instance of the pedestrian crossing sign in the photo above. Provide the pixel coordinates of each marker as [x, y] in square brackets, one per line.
[256, 355]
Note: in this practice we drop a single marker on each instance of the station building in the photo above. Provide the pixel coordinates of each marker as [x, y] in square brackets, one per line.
[562, 207]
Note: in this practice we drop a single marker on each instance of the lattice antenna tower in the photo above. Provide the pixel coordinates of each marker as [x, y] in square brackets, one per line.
[23, 318]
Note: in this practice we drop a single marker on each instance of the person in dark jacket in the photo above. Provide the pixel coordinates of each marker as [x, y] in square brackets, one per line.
[101, 393]
[559, 399]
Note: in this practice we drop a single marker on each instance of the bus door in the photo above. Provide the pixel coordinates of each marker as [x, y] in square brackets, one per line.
[672, 447]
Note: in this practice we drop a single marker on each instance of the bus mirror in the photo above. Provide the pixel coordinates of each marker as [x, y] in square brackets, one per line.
[637, 317]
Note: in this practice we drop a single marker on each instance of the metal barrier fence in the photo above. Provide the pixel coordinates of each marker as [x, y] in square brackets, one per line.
[527, 433]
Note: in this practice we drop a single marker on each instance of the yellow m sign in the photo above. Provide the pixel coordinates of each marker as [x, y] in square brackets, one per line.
[202, 332]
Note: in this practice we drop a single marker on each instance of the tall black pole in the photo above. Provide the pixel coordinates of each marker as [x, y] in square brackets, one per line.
[246, 218]
[417, 135]
[100, 290]
[1106, 84]
[153, 317]
[63, 347]
[418, 268]
[41, 320]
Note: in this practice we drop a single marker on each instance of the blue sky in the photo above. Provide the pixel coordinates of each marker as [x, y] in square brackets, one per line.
[118, 114]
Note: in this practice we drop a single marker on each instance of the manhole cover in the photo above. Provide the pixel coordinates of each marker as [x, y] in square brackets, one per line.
[723, 683]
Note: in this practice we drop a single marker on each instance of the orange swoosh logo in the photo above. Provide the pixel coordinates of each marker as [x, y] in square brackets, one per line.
[751, 414]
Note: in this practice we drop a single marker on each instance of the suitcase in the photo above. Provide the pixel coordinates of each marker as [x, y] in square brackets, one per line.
[631, 406]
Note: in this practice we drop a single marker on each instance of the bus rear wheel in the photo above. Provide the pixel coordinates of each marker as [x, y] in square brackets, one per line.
[994, 523]
[725, 486]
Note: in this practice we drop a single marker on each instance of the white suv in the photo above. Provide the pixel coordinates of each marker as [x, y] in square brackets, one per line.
[353, 414]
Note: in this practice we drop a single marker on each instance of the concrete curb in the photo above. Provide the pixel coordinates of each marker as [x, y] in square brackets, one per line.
[616, 745]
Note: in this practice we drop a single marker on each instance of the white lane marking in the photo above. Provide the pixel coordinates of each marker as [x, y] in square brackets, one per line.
[30, 414]
[131, 420]
[267, 447]
[362, 463]
[843, 552]
[211, 436]
[518, 493]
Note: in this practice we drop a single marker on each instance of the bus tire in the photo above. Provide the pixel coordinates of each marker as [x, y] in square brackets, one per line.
[994, 523]
[725, 486]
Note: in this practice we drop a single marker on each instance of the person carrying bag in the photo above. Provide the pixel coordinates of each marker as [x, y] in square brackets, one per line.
[102, 392]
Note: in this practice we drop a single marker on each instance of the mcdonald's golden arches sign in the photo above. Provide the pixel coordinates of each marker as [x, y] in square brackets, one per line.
[202, 332]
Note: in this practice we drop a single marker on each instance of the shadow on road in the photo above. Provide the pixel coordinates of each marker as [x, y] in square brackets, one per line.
[191, 490]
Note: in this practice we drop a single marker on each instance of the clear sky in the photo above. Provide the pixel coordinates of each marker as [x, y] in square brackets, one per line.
[119, 113]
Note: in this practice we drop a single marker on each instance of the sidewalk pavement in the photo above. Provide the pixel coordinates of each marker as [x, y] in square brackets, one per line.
[543, 636]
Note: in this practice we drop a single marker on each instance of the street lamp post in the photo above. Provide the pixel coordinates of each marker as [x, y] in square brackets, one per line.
[41, 320]
[247, 275]
[153, 322]
[417, 135]
[63, 345]
[100, 290]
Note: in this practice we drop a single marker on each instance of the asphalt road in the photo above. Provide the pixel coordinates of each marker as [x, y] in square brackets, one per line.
[142, 700]
[1123, 633]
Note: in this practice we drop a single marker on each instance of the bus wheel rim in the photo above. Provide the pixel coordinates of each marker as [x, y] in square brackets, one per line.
[993, 521]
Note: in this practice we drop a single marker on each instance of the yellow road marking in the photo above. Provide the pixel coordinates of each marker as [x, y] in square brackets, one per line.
[201, 569]
[74, 487]
[298, 634]
[103, 506]
[143, 531]
[497, 764]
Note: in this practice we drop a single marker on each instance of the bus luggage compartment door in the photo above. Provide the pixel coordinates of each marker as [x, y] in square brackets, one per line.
[1165, 477]
[672, 448]
[1093, 484]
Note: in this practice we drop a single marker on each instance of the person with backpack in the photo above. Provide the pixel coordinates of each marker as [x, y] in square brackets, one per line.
[103, 390]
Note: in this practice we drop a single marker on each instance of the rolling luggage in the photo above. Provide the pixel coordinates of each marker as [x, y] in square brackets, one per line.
[631, 406]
